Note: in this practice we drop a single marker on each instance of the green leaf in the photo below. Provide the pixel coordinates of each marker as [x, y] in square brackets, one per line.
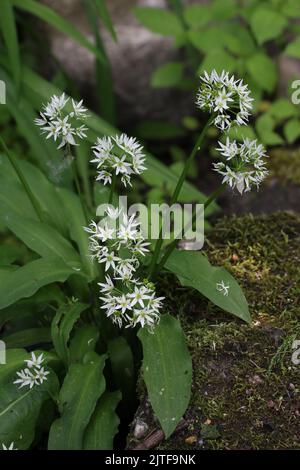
[290, 8]
[167, 371]
[25, 281]
[28, 337]
[267, 24]
[41, 238]
[84, 341]
[122, 364]
[159, 20]
[167, 75]
[293, 49]
[49, 16]
[104, 423]
[20, 408]
[197, 16]
[218, 60]
[283, 109]
[239, 41]
[9, 32]
[292, 130]
[83, 386]
[263, 71]
[209, 40]
[194, 270]
[105, 16]
[62, 324]
[224, 10]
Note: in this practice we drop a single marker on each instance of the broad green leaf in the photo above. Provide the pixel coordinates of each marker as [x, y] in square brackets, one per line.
[84, 341]
[293, 49]
[263, 71]
[292, 130]
[267, 24]
[159, 20]
[104, 423]
[122, 364]
[28, 337]
[62, 324]
[9, 32]
[83, 386]
[41, 238]
[25, 281]
[49, 16]
[197, 16]
[290, 8]
[218, 60]
[239, 41]
[167, 75]
[105, 16]
[194, 270]
[20, 408]
[167, 371]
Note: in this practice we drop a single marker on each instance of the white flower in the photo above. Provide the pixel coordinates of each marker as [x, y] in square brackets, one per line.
[222, 287]
[26, 377]
[59, 123]
[35, 361]
[145, 317]
[119, 155]
[243, 164]
[9, 447]
[123, 303]
[225, 96]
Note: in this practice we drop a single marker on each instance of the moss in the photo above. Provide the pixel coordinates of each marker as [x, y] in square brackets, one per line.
[284, 165]
[245, 384]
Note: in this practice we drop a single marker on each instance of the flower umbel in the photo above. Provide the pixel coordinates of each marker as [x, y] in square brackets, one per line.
[60, 124]
[125, 298]
[9, 446]
[119, 155]
[226, 98]
[243, 164]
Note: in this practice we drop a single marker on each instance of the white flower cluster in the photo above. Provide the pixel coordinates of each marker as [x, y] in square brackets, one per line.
[57, 123]
[33, 374]
[126, 299]
[119, 155]
[244, 164]
[226, 98]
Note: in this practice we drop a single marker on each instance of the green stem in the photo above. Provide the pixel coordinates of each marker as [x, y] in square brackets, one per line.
[170, 248]
[177, 190]
[112, 188]
[23, 181]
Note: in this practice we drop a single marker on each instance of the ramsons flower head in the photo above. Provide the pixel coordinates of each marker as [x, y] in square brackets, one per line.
[119, 246]
[226, 98]
[119, 155]
[243, 164]
[60, 123]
